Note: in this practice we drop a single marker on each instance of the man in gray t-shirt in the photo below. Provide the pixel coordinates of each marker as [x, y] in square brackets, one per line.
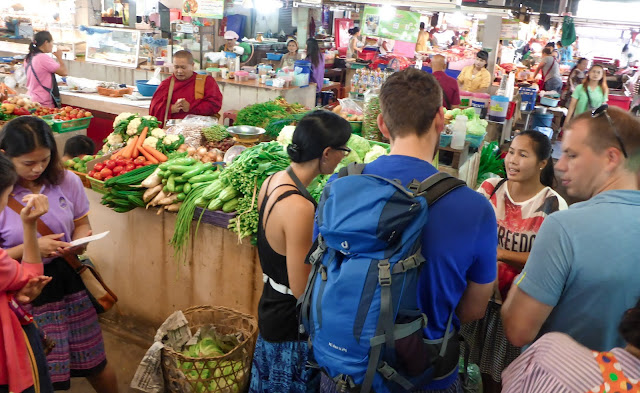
[583, 272]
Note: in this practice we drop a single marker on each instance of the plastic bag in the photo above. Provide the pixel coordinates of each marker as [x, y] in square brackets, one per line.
[350, 107]
[370, 129]
[191, 128]
[472, 381]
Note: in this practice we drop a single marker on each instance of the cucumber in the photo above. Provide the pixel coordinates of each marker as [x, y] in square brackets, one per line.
[181, 197]
[230, 206]
[171, 183]
[204, 177]
[179, 188]
[180, 168]
[198, 169]
[228, 194]
[215, 204]
[187, 188]
[184, 161]
[212, 190]
[201, 202]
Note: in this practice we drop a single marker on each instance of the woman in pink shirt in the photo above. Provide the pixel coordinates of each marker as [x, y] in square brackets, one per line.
[41, 69]
[23, 367]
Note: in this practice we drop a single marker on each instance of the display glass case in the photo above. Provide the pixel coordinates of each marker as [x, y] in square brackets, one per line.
[119, 47]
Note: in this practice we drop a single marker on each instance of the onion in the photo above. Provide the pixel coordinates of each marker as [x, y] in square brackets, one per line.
[202, 150]
[206, 159]
[191, 150]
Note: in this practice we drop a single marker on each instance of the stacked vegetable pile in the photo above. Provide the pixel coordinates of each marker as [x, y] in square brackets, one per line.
[78, 164]
[129, 126]
[124, 193]
[223, 375]
[116, 167]
[271, 115]
[173, 181]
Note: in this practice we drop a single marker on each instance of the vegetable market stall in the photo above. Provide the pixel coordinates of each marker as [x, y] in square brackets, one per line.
[238, 95]
[137, 262]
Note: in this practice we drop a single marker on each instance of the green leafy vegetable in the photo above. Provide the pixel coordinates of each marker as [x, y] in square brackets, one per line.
[490, 162]
[215, 133]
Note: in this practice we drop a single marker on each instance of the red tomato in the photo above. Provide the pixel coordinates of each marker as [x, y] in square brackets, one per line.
[106, 172]
[98, 167]
[139, 160]
[68, 109]
[124, 171]
[121, 162]
[117, 170]
[97, 176]
[130, 167]
[110, 164]
[91, 173]
[87, 114]
[147, 163]
[108, 177]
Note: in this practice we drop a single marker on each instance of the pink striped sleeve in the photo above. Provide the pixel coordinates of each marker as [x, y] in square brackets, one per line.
[14, 275]
[553, 364]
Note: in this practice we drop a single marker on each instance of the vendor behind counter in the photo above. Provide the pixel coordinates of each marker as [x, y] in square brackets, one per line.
[185, 92]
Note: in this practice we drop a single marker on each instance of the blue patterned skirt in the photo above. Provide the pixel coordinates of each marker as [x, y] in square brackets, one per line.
[282, 368]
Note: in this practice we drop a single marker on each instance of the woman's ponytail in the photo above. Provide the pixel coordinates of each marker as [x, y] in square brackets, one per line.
[39, 39]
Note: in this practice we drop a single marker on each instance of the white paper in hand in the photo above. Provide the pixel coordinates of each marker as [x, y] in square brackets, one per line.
[88, 239]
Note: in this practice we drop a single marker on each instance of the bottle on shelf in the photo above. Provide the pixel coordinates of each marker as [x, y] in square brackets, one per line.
[459, 132]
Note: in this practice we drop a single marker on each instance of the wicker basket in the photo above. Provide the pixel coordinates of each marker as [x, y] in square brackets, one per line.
[224, 374]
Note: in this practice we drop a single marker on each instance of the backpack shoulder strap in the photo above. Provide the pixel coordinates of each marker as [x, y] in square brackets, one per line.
[200, 83]
[436, 186]
[495, 189]
[352, 169]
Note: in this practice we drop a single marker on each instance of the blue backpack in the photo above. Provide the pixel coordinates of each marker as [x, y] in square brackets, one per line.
[360, 307]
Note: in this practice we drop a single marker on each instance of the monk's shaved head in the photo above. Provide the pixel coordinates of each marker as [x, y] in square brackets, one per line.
[184, 54]
[438, 63]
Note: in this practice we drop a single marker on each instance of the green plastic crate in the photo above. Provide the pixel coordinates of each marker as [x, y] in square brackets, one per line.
[98, 185]
[60, 126]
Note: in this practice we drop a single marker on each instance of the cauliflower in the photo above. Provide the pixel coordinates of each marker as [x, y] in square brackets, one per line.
[169, 139]
[132, 128]
[122, 117]
[149, 117]
[114, 139]
[286, 135]
[151, 141]
[158, 133]
[105, 149]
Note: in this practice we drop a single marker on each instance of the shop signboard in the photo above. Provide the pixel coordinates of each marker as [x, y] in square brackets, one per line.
[510, 29]
[387, 22]
[211, 9]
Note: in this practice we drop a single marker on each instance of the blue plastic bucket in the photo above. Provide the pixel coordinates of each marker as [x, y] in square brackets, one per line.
[145, 89]
[542, 120]
[301, 73]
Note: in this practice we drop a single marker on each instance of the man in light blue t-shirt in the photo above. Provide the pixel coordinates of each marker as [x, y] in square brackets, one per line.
[583, 272]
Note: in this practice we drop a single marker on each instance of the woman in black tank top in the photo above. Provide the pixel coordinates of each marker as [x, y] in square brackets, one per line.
[285, 236]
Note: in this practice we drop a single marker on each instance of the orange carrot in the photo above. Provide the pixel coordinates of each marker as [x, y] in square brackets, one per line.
[129, 149]
[136, 147]
[156, 154]
[147, 155]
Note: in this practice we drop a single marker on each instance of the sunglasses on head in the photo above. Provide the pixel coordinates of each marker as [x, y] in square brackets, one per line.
[602, 110]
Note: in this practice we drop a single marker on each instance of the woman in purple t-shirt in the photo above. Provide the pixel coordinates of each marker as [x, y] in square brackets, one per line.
[41, 69]
[64, 309]
[317, 63]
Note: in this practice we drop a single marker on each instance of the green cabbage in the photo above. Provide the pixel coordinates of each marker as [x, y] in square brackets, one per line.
[375, 152]
[477, 126]
[359, 145]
